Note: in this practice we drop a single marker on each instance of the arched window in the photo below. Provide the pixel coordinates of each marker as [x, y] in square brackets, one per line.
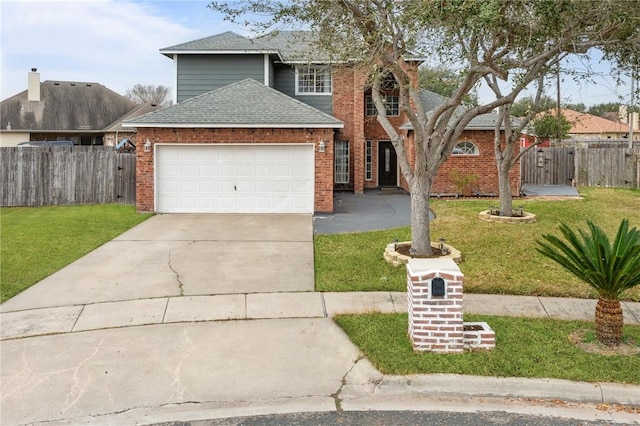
[466, 148]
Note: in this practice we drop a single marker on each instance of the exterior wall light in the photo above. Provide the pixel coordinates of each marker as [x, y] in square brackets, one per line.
[322, 146]
[147, 146]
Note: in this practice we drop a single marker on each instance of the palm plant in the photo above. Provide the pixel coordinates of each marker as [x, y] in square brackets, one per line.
[608, 269]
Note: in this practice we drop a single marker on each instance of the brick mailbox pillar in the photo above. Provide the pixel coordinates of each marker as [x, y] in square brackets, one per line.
[434, 292]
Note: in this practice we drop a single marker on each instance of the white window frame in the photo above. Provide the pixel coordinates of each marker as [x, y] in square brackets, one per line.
[466, 148]
[321, 76]
[341, 160]
[393, 100]
[368, 160]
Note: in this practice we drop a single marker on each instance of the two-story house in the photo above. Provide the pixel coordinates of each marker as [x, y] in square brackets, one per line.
[271, 125]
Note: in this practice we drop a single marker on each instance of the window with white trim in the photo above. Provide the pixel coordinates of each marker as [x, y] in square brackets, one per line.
[312, 80]
[341, 162]
[466, 148]
[391, 103]
[368, 160]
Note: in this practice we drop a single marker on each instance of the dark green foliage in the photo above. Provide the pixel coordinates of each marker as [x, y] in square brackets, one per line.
[546, 127]
[609, 268]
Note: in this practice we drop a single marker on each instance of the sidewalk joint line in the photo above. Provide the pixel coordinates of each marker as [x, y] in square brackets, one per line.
[246, 310]
[324, 306]
[630, 311]
[544, 308]
[77, 319]
[164, 314]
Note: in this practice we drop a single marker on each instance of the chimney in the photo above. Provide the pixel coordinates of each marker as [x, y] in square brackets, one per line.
[33, 87]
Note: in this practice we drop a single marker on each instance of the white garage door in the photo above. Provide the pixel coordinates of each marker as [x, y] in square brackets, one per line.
[234, 178]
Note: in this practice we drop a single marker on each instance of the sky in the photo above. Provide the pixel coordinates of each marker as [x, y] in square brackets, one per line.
[116, 43]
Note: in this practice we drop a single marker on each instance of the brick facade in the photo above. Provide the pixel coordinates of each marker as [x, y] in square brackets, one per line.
[482, 166]
[145, 191]
[349, 101]
[436, 312]
[435, 322]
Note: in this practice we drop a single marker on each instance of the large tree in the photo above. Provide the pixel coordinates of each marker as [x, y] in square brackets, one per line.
[148, 93]
[523, 106]
[443, 81]
[546, 126]
[507, 44]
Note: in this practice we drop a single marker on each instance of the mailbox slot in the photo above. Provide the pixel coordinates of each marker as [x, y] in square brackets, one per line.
[437, 287]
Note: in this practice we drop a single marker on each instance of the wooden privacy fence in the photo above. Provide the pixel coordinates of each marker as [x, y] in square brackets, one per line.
[613, 166]
[40, 176]
[548, 166]
[608, 167]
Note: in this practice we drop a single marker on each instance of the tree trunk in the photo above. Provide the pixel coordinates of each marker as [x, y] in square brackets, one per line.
[609, 321]
[420, 233]
[506, 197]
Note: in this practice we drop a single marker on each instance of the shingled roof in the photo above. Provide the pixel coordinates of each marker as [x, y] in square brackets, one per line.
[431, 101]
[290, 47]
[247, 104]
[65, 106]
[224, 42]
[588, 124]
[287, 46]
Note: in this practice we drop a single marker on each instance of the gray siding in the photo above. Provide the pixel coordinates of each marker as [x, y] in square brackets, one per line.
[198, 74]
[285, 82]
[271, 77]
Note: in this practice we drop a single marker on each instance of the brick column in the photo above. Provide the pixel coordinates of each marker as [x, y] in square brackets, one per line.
[434, 292]
[358, 131]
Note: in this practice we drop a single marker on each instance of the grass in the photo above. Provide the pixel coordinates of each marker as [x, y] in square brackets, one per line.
[498, 258]
[525, 347]
[38, 241]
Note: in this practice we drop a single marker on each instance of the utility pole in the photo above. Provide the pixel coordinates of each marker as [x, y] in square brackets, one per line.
[632, 109]
[559, 114]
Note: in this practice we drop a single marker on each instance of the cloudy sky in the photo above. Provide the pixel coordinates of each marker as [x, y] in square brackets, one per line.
[116, 43]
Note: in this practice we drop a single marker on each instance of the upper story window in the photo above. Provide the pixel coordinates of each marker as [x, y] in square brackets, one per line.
[312, 80]
[391, 103]
[466, 148]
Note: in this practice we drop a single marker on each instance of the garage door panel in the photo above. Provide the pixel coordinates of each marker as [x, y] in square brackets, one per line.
[234, 178]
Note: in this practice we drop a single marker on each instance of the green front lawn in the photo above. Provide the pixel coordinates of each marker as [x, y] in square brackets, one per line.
[498, 258]
[38, 241]
[525, 347]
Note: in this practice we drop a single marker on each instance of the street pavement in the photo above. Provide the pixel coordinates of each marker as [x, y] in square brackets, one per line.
[176, 341]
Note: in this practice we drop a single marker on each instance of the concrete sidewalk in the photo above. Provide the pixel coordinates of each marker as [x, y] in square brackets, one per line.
[199, 357]
[255, 306]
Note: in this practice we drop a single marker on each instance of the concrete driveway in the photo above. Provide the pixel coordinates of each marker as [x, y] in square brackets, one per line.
[176, 255]
[150, 364]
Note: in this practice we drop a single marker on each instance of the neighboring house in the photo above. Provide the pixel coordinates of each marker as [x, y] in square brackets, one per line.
[270, 125]
[60, 110]
[585, 127]
[633, 118]
[115, 132]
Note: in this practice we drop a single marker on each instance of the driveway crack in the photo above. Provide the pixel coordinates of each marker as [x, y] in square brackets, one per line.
[177, 274]
[336, 395]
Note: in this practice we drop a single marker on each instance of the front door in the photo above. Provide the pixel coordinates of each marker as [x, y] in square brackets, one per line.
[387, 165]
